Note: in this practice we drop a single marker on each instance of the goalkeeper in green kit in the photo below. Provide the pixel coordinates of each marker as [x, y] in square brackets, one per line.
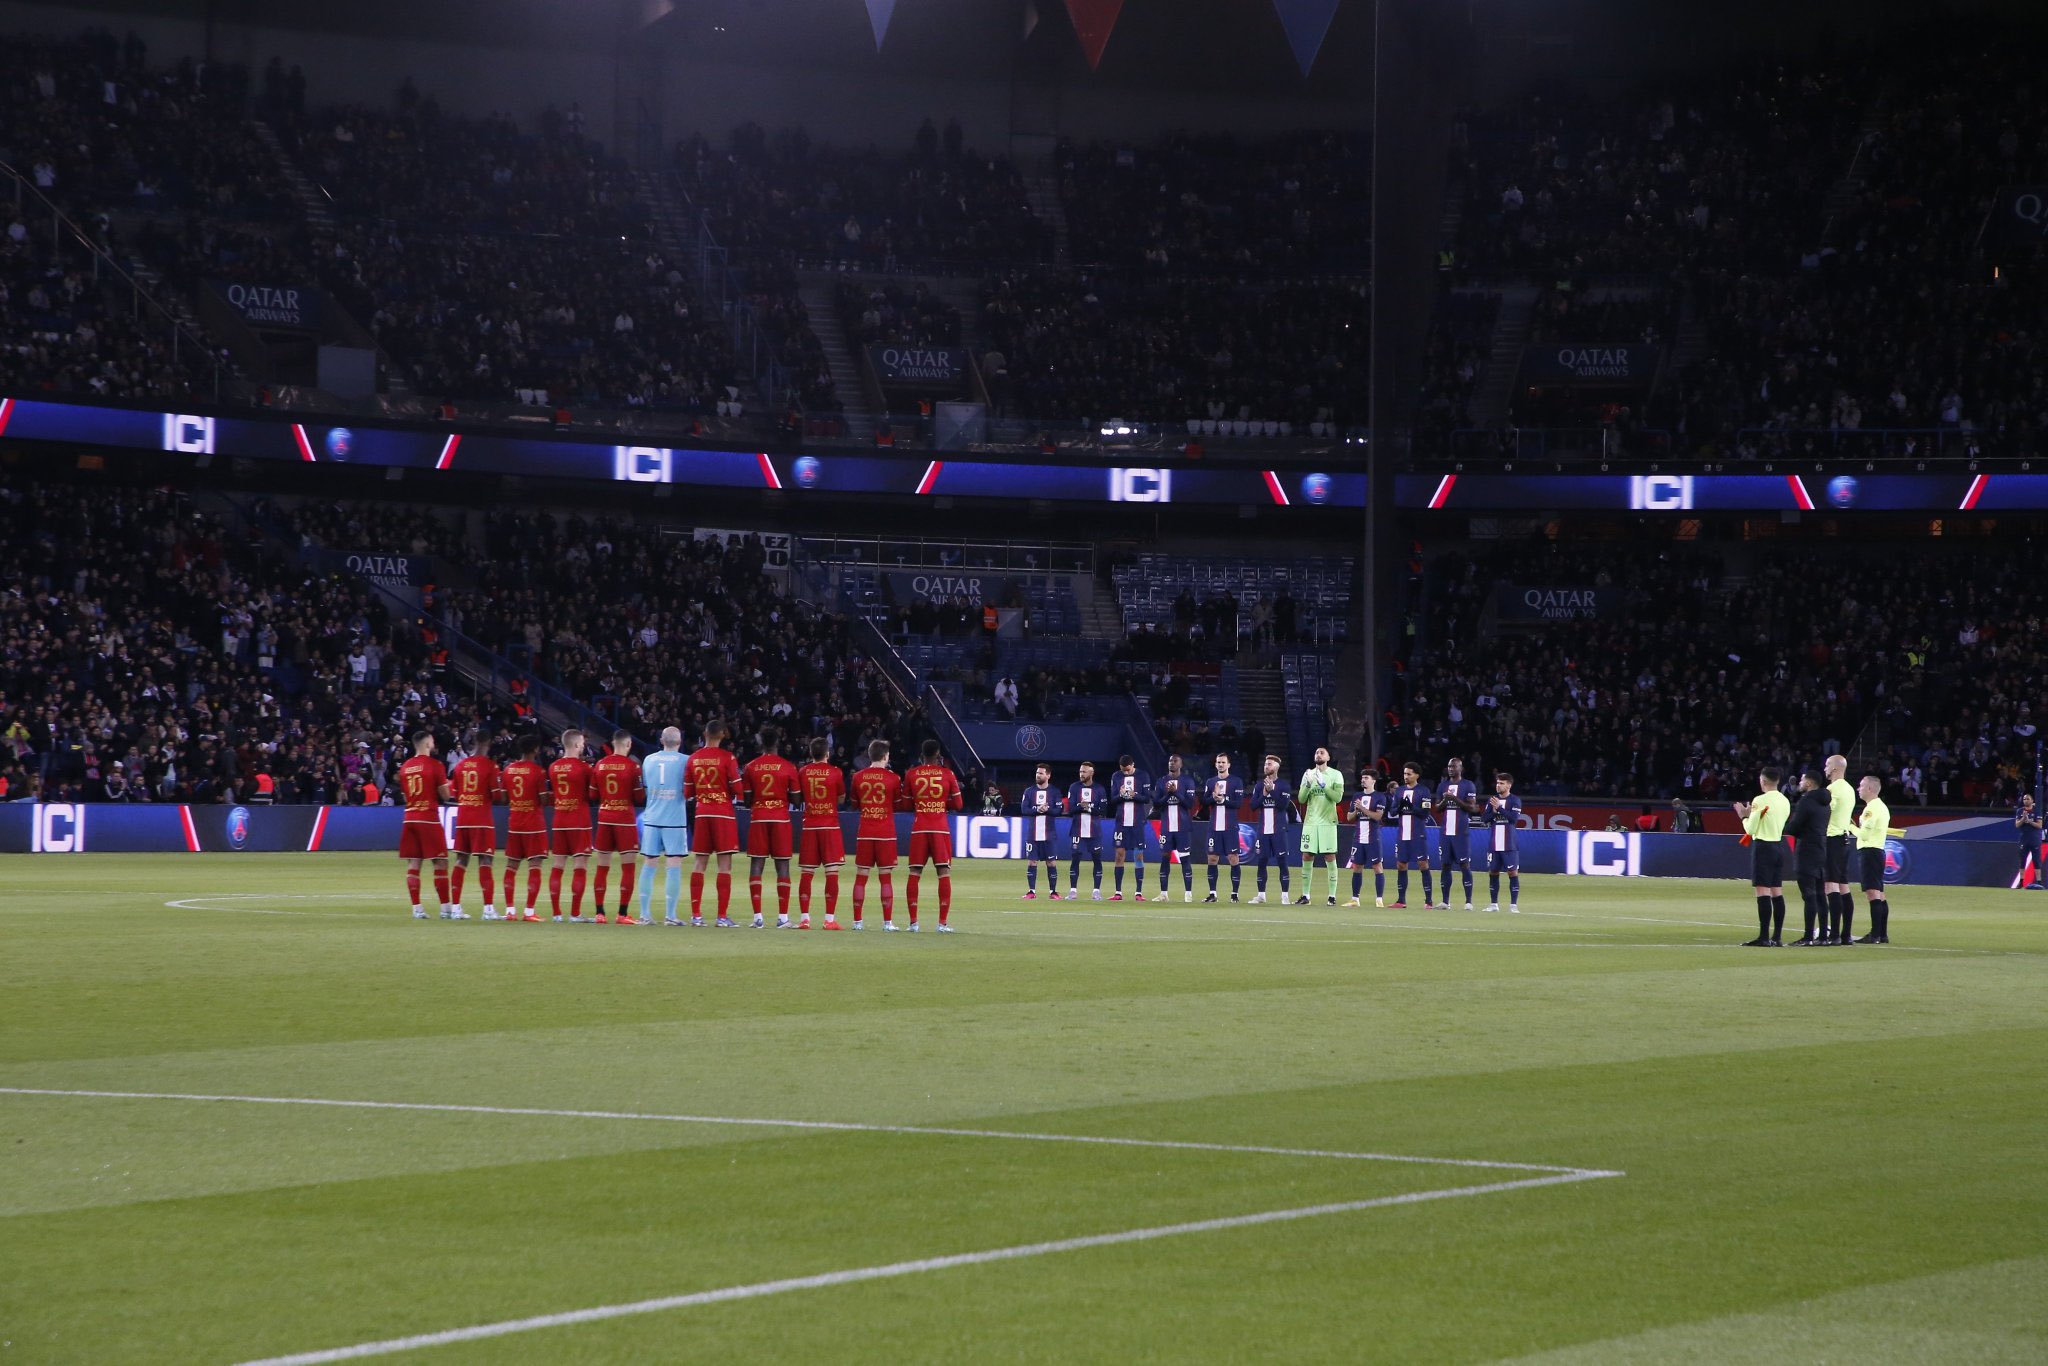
[1320, 795]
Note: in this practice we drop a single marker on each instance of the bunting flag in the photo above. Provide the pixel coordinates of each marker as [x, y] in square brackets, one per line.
[1093, 21]
[879, 13]
[1307, 23]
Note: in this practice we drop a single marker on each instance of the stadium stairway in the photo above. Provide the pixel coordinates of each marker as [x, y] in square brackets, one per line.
[312, 200]
[1265, 705]
[1510, 333]
[849, 378]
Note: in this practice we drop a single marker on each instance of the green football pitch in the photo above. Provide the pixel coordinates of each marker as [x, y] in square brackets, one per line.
[1596, 1131]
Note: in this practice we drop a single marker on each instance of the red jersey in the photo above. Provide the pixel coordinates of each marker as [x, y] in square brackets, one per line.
[823, 787]
[421, 779]
[875, 792]
[475, 781]
[615, 782]
[933, 792]
[712, 780]
[770, 782]
[526, 783]
[569, 793]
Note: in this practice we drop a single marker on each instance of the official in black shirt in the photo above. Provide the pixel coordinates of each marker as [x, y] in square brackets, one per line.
[1808, 825]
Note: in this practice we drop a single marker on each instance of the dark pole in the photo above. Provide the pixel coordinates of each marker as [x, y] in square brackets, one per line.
[1369, 738]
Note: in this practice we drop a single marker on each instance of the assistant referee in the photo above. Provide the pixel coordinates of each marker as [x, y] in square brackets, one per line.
[1841, 906]
[1871, 830]
[1764, 822]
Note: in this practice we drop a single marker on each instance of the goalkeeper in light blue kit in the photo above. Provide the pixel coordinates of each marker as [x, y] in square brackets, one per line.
[664, 824]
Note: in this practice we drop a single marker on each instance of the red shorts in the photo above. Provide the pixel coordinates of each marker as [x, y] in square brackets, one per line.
[715, 834]
[422, 839]
[525, 844]
[823, 844]
[768, 839]
[874, 851]
[936, 845]
[476, 839]
[616, 839]
[570, 840]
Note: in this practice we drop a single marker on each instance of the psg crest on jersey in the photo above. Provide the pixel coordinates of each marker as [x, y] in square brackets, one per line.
[238, 826]
[1030, 741]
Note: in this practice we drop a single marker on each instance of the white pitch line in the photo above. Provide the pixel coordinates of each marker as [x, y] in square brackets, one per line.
[889, 1270]
[837, 1126]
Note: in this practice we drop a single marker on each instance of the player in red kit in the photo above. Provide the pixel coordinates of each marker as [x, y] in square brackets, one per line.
[569, 795]
[824, 845]
[934, 793]
[526, 827]
[615, 782]
[770, 783]
[876, 794]
[424, 783]
[475, 781]
[712, 779]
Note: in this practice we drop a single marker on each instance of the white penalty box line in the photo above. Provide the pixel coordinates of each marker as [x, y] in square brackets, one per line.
[1539, 1175]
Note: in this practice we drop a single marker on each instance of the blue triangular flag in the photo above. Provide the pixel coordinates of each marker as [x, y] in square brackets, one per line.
[1307, 23]
[878, 15]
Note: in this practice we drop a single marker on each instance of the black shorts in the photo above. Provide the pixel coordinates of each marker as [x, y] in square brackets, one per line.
[1767, 864]
[1870, 864]
[1838, 858]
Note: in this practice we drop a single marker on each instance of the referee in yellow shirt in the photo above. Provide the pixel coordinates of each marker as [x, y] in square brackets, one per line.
[1871, 829]
[1841, 906]
[1764, 822]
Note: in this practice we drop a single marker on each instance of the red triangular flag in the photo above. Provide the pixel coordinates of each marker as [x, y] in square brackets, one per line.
[1093, 22]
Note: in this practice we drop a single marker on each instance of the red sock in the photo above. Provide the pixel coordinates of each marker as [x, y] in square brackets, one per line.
[860, 893]
[489, 881]
[724, 892]
[697, 892]
[603, 875]
[441, 882]
[909, 898]
[945, 895]
[455, 883]
[754, 892]
[803, 893]
[412, 886]
[555, 890]
[579, 882]
[831, 894]
[782, 897]
[629, 873]
[888, 896]
[532, 886]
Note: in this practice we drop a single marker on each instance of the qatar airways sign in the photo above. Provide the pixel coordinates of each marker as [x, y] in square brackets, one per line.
[1520, 602]
[1630, 363]
[288, 306]
[918, 367]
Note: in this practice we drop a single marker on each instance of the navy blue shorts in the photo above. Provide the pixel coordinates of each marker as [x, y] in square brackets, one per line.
[1364, 854]
[1269, 849]
[1130, 839]
[1411, 851]
[1456, 849]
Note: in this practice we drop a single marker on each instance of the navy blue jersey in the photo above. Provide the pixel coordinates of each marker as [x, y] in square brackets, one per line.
[1408, 810]
[1176, 798]
[1088, 804]
[1220, 799]
[1272, 806]
[1452, 804]
[1038, 806]
[1502, 815]
[2028, 823]
[1368, 810]
[1130, 797]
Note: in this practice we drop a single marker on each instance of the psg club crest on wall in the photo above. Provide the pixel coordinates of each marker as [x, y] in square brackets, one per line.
[1031, 741]
[1246, 839]
[808, 471]
[1315, 488]
[1842, 491]
[341, 443]
[238, 826]
[1898, 863]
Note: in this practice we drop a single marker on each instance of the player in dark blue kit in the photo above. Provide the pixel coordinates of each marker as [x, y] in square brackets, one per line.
[1221, 796]
[1272, 814]
[1502, 813]
[1040, 808]
[1176, 797]
[1456, 801]
[1130, 809]
[1088, 804]
[1408, 809]
[1369, 810]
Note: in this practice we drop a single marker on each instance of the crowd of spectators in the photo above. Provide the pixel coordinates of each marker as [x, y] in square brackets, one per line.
[1691, 677]
[146, 654]
[1096, 344]
[878, 311]
[1213, 204]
